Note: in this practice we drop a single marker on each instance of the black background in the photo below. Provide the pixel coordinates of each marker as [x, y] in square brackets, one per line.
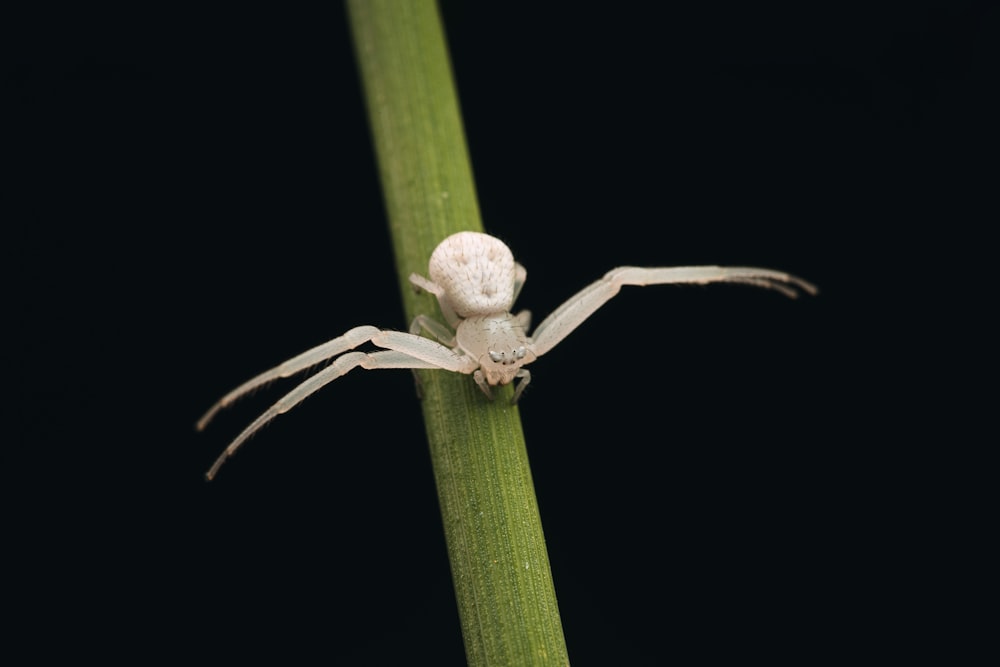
[195, 199]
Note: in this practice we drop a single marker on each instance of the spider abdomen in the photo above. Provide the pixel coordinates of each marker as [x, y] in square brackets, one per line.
[477, 273]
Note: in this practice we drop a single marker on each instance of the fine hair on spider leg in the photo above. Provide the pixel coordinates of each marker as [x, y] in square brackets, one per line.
[475, 280]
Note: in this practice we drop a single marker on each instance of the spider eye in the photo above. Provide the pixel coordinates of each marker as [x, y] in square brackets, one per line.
[507, 358]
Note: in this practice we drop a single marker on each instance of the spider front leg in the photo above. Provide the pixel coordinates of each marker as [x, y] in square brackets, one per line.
[585, 303]
[340, 366]
[403, 350]
[297, 364]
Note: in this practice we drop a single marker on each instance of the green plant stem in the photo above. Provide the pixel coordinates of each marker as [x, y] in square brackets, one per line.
[503, 584]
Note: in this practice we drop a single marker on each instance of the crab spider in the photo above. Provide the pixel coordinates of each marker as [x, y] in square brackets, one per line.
[476, 281]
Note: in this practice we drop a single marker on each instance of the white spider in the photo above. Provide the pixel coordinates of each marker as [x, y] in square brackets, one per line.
[476, 281]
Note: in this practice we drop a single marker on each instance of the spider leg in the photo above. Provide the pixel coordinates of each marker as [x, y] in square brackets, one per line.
[584, 303]
[525, 376]
[523, 319]
[297, 364]
[421, 283]
[483, 385]
[427, 350]
[443, 334]
[424, 323]
[520, 276]
[340, 366]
